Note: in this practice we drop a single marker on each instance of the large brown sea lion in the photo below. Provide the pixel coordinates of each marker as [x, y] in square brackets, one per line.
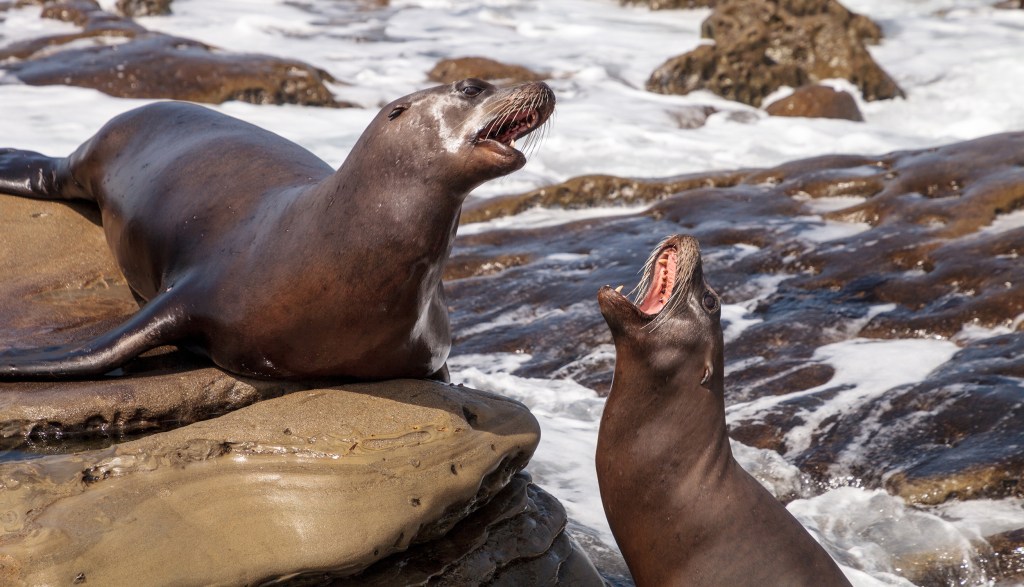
[249, 249]
[682, 510]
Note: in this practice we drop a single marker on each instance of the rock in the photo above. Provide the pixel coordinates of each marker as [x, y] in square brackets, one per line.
[956, 433]
[518, 538]
[925, 243]
[154, 65]
[764, 45]
[594, 190]
[132, 8]
[1008, 552]
[817, 102]
[325, 481]
[452, 70]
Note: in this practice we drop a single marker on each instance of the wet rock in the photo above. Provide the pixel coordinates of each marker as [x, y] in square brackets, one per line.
[955, 435]
[326, 481]
[153, 65]
[912, 244]
[1008, 551]
[452, 70]
[593, 190]
[133, 8]
[817, 102]
[518, 538]
[764, 45]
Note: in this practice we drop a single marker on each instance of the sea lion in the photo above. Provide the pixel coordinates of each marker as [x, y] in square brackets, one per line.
[250, 250]
[681, 508]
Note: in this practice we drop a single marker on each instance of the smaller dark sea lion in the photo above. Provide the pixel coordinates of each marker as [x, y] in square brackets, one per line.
[249, 249]
[681, 508]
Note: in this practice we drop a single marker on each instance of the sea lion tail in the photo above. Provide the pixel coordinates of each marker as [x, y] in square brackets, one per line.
[34, 175]
[159, 322]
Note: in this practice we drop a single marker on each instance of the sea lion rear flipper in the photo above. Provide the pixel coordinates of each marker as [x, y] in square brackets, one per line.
[159, 322]
[34, 175]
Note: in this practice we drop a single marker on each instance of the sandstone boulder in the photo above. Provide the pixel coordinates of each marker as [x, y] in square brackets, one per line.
[452, 70]
[319, 483]
[817, 102]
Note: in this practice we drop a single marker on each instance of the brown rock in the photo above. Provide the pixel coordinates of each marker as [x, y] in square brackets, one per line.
[133, 8]
[329, 480]
[817, 102]
[763, 45]
[153, 65]
[1008, 554]
[452, 70]
[588, 191]
[518, 538]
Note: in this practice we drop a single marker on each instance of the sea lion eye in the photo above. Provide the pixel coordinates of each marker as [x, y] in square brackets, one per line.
[398, 110]
[472, 91]
[710, 301]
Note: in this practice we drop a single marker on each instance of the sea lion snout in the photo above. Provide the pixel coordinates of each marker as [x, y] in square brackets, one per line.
[508, 115]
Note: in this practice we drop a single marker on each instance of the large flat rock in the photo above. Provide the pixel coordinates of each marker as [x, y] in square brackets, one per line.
[321, 481]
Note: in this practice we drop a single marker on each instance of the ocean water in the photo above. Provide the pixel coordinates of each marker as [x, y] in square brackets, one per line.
[959, 61]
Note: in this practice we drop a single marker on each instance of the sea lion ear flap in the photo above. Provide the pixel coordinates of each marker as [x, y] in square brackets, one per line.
[398, 110]
[705, 381]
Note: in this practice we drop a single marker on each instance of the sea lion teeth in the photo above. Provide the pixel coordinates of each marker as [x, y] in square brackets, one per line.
[619, 289]
[681, 509]
[224, 189]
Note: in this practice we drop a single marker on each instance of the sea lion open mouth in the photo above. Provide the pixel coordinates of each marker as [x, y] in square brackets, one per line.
[514, 113]
[507, 128]
[662, 281]
[672, 275]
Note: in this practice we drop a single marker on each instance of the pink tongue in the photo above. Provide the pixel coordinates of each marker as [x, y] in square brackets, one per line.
[661, 284]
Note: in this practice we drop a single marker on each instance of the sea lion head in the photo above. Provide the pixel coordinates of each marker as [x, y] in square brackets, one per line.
[469, 127]
[673, 331]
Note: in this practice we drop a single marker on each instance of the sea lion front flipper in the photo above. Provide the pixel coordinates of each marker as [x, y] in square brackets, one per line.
[160, 322]
[441, 374]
